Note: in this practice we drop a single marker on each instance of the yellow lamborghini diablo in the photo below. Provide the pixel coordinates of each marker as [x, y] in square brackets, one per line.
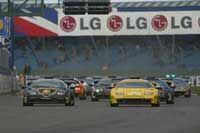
[134, 91]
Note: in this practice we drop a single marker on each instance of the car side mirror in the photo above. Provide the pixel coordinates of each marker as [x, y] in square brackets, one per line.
[113, 85]
[23, 87]
[29, 83]
[155, 85]
[173, 86]
[159, 88]
[109, 87]
[95, 82]
[169, 83]
[72, 88]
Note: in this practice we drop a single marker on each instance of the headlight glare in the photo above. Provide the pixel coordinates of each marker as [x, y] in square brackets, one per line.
[60, 93]
[32, 92]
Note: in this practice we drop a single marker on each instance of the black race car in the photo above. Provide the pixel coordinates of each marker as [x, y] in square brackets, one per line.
[166, 92]
[102, 89]
[46, 91]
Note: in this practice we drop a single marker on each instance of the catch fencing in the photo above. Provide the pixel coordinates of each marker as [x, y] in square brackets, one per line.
[7, 78]
[195, 80]
[4, 57]
[7, 83]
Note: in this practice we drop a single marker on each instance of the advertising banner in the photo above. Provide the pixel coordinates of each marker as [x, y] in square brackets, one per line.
[130, 23]
[4, 26]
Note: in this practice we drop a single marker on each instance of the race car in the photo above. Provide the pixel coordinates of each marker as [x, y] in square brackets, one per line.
[134, 91]
[77, 86]
[181, 87]
[166, 92]
[46, 91]
[80, 90]
[88, 84]
[170, 82]
[102, 89]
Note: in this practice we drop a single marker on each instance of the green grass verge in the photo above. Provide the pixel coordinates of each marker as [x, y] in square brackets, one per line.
[111, 72]
[196, 90]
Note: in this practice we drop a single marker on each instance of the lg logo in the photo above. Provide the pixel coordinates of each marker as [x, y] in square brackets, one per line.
[68, 24]
[159, 23]
[115, 23]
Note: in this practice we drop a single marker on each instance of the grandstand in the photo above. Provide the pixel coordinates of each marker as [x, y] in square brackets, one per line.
[74, 53]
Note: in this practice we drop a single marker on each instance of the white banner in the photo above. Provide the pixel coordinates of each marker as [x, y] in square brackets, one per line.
[130, 23]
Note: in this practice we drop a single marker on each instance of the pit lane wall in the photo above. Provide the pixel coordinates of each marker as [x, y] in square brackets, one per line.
[118, 23]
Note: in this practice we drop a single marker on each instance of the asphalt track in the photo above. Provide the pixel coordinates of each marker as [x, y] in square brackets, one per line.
[99, 117]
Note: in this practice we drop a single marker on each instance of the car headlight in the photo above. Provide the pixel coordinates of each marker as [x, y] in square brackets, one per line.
[32, 92]
[149, 93]
[73, 85]
[60, 93]
[97, 90]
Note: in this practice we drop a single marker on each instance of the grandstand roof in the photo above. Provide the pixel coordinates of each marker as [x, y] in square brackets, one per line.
[158, 4]
[168, 5]
[177, 3]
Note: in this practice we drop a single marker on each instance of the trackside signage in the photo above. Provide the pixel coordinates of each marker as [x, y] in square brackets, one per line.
[133, 23]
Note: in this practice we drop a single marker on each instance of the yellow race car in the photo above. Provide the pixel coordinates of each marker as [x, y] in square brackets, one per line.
[134, 91]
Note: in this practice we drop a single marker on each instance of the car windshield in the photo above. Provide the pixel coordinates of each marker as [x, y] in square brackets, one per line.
[104, 82]
[162, 83]
[54, 84]
[180, 81]
[89, 81]
[134, 85]
[70, 81]
[117, 80]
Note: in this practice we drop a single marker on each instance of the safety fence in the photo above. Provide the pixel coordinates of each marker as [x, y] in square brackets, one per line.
[195, 80]
[4, 57]
[8, 82]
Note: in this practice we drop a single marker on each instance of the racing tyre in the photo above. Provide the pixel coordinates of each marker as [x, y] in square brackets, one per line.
[188, 95]
[83, 97]
[156, 105]
[170, 102]
[114, 105]
[26, 103]
[70, 103]
[170, 99]
[94, 99]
